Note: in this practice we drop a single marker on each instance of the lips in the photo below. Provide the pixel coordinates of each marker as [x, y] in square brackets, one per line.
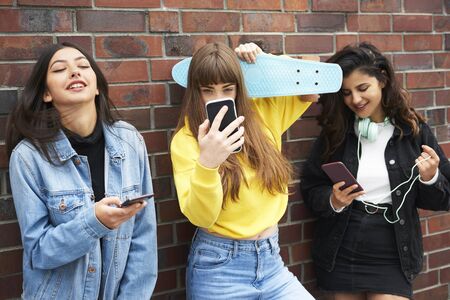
[75, 85]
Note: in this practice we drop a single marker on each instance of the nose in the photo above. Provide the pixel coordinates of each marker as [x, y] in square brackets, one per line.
[74, 73]
[356, 97]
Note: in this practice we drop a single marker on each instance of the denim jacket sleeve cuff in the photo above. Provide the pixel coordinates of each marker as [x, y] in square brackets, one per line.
[432, 180]
[92, 225]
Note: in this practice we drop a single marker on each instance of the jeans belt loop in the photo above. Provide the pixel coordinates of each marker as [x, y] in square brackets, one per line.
[235, 248]
[272, 245]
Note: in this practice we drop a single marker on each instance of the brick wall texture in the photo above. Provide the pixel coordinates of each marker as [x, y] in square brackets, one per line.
[136, 43]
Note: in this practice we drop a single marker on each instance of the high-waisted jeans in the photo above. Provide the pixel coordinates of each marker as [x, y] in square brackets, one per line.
[220, 268]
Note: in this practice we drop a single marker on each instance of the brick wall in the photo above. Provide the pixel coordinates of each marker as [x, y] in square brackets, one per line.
[136, 42]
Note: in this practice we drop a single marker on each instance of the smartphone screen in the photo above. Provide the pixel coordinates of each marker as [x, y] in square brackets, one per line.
[338, 172]
[213, 107]
[138, 199]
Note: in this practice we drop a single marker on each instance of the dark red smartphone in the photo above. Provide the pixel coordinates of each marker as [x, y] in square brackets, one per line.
[214, 106]
[139, 199]
[338, 172]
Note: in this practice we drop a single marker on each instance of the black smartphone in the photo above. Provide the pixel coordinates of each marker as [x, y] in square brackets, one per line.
[338, 172]
[138, 199]
[214, 106]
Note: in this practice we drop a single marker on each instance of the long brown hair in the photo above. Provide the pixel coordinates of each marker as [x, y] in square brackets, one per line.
[395, 101]
[216, 63]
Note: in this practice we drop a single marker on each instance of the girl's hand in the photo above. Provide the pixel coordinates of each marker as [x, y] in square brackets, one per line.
[427, 168]
[215, 145]
[340, 199]
[111, 216]
[247, 52]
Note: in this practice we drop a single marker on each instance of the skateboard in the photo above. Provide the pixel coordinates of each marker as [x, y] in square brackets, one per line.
[274, 76]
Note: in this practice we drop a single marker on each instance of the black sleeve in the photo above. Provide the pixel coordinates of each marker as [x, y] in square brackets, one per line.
[437, 195]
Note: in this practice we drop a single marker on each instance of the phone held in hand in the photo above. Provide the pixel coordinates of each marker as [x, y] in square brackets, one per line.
[139, 199]
[338, 172]
[214, 106]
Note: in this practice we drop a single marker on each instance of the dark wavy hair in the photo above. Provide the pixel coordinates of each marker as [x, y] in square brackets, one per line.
[396, 101]
[38, 121]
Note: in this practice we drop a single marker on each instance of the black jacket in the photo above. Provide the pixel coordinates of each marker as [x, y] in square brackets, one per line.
[400, 155]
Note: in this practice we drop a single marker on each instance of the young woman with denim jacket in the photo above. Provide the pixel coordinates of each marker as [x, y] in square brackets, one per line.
[71, 165]
[236, 200]
[368, 245]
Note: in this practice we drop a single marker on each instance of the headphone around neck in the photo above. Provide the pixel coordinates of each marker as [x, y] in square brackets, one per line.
[368, 129]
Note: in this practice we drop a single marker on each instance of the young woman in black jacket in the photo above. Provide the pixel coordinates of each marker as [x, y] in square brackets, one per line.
[368, 245]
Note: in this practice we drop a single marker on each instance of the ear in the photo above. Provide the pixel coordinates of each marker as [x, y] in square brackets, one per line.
[47, 96]
[97, 92]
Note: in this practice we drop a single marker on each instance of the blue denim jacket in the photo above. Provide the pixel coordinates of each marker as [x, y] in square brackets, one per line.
[68, 253]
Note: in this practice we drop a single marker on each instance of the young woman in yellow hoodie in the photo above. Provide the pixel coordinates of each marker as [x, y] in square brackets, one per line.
[235, 199]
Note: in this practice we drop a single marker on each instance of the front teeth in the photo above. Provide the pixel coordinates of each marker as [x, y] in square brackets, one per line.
[76, 86]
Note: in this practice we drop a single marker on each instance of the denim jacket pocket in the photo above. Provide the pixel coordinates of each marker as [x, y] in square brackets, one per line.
[64, 206]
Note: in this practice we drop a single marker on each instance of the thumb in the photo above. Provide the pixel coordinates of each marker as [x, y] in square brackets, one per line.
[203, 129]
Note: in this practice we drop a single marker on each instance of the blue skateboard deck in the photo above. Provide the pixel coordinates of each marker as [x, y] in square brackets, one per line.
[274, 76]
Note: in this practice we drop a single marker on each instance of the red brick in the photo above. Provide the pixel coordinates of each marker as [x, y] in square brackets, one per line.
[290, 233]
[162, 187]
[107, 21]
[303, 44]
[165, 235]
[6, 2]
[271, 22]
[439, 223]
[301, 252]
[436, 241]
[422, 42]
[429, 6]
[11, 286]
[313, 111]
[447, 78]
[442, 133]
[28, 20]
[22, 47]
[125, 71]
[298, 212]
[412, 23]
[210, 21]
[380, 6]
[442, 60]
[321, 22]
[10, 262]
[12, 74]
[163, 21]
[187, 45]
[139, 118]
[425, 280]
[344, 40]
[161, 69]
[166, 117]
[128, 46]
[156, 141]
[172, 256]
[128, 3]
[443, 97]
[167, 280]
[445, 275]
[422, 98]
[169, 211]
[442, 23]
[368, 23]
[254, 4]
[10, 235]
[65, 3]
[268, 43]
[296, 5]
[185, 232]
[193, 3]
[384, 42]
[304, 128]
[435, 116]
[406, 62]
[447, 41]
[446, 146]
[435, 293]
[332, 5]
[424, 80]
[137, 95]
[297, 150]
[85, 42]
[176, 93]
[163, 165]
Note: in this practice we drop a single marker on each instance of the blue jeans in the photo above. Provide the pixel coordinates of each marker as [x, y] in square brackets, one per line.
[220, 268]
